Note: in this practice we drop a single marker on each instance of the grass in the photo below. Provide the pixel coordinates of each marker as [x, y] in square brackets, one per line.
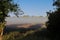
[39, 34]
[36, 34]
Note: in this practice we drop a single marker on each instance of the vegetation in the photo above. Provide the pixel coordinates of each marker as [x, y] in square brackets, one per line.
[7, 6]
[41, 34]
[51, 33]
[53, 25]
[13, 36]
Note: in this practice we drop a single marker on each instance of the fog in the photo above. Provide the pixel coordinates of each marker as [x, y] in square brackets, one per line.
[21, 20]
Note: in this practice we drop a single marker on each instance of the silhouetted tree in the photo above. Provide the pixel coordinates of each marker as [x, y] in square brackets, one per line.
[53, 24]
[7, 6]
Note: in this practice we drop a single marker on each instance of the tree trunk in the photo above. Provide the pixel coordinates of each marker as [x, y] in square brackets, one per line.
[1, 32]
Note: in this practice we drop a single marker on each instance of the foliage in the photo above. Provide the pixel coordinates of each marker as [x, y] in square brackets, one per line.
[7, 6]
[2, 25]
[53, 24]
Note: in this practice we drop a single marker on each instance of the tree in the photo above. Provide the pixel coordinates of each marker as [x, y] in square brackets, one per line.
[53, 24]
[7, 6]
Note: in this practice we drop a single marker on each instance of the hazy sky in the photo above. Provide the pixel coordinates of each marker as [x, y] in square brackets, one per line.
[35, 7]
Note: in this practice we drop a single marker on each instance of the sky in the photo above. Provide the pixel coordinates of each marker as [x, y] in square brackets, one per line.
[35, 7]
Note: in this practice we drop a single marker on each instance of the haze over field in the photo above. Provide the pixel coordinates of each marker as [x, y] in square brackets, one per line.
[21, 20]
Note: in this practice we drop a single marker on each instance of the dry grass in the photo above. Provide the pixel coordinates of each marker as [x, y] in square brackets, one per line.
[0, 37]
